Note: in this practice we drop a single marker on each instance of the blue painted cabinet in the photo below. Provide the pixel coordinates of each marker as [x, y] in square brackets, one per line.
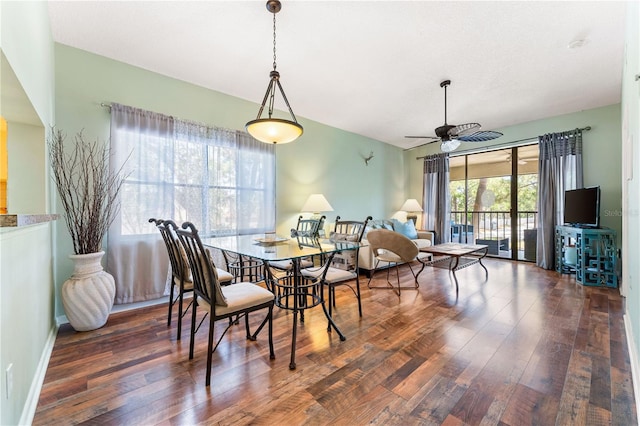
[591, 253]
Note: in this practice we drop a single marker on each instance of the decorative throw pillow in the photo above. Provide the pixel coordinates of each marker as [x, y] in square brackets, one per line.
[387, 225]
[408, 229]
[182, 257]
[219, 295]
[295, 233]
[334, 236]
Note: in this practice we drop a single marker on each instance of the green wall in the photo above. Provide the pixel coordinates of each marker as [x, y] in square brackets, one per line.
[324, 159]
[601, 155]
[27, 326]
[26, 189]
[630, 181]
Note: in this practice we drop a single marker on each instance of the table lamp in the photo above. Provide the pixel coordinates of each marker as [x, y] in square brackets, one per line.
[316, 203]
[411, 206]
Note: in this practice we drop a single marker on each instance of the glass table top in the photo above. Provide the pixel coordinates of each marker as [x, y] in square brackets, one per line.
[281, 249]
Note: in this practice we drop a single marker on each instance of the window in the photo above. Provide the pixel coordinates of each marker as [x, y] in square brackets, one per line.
[221, 180]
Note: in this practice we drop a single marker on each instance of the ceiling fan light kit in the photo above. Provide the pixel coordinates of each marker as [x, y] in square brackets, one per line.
[450, 145]
[274, 130]
[450, 135]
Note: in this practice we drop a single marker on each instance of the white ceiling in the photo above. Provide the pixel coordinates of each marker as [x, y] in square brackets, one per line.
[372, 67]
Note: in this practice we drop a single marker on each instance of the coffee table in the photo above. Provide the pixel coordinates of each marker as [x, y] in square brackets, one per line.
[459, 256]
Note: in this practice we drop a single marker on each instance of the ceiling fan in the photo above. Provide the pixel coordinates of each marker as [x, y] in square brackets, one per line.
[451, 135]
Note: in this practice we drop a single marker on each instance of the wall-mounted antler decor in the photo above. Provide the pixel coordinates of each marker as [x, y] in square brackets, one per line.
[367, 159]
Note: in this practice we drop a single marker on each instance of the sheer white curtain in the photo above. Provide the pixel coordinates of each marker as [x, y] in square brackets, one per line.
[226, 180]
[221, 180]
[136, 255]
[559, 169]
[435, 195]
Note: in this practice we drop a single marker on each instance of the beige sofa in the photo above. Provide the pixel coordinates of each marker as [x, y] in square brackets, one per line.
[366, 260]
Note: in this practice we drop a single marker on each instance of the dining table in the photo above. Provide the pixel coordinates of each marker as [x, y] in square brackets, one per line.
[292, 291]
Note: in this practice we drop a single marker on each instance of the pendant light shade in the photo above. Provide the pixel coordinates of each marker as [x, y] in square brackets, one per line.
[274, 130]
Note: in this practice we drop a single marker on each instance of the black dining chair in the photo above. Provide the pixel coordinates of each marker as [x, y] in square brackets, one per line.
[305, 228]
[181, 280]
[343, 269]
[221, 302]
[243, 268]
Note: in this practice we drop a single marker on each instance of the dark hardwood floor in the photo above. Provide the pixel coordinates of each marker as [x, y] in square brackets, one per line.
[526, 347]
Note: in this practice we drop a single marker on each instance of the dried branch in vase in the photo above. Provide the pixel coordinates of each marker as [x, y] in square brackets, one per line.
[87, 187]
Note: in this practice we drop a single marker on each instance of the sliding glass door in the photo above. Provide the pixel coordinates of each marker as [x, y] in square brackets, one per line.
[493, 200]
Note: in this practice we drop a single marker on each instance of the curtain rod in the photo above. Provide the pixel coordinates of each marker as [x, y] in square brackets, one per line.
[108, 106]
[497, 146]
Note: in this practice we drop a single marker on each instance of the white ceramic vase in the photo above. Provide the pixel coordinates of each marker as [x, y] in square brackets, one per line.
[88, 295]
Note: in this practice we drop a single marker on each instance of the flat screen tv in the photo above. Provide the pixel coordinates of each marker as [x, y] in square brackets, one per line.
[582, 207]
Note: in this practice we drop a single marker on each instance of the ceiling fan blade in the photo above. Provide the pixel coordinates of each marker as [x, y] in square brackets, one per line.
[464, 129]
[422, 137]
[485, 135]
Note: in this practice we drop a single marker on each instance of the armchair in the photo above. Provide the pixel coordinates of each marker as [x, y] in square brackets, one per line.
[394, 248]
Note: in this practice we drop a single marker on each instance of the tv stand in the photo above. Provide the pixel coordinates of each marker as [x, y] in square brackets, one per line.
[595, 254]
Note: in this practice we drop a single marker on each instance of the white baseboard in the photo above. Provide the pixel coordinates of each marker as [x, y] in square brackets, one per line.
[30, 405]
[62, 319]
[633, 355]
[136, 305]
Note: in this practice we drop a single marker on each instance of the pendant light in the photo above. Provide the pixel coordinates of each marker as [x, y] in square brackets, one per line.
[274, 130]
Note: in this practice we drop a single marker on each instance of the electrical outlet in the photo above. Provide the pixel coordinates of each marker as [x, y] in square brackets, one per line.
[9, 380]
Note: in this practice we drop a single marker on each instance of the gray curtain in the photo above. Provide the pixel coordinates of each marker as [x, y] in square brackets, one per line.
[560, 169]
[435, 196]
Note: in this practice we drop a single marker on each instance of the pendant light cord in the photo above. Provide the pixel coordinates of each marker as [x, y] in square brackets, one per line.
[445, 105]
[274, 41]
[274, 82]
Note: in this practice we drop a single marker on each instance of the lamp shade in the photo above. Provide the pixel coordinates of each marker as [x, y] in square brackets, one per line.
[411, 205]
[274, 130]
[316, 203]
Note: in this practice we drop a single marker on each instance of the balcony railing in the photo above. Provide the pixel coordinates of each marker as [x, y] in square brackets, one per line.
[492, 225]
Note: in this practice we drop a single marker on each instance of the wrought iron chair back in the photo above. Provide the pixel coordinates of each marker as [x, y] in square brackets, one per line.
[308, 227]
[343, 268]
[180, 275]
